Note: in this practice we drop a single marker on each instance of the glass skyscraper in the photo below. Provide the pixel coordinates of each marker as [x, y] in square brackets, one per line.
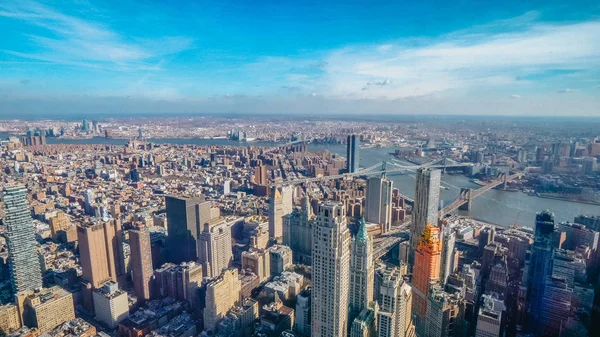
[352, 154]
[541, 261]
[23, 260]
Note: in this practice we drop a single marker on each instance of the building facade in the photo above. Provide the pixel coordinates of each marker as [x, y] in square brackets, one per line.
[141, 262]
[362, 272]
[378, 202]
[425, 210]
[353, 154]
[331, 271]
[23, 260]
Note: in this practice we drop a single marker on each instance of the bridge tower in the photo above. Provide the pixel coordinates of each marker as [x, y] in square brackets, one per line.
[504, 177]
[465, 194]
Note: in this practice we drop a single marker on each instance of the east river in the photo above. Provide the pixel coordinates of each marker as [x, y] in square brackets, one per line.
[495, 206]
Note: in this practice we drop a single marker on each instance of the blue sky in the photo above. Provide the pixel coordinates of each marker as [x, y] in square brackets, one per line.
[361, 57]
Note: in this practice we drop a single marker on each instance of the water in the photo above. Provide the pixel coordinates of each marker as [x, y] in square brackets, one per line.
[495, 206]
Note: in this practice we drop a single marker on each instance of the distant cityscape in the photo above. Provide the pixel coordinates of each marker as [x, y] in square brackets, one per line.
[252, 226]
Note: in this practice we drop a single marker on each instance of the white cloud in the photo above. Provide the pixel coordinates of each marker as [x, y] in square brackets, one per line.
[515, 96]
[82, 43]
[565, 91]
[463, 61]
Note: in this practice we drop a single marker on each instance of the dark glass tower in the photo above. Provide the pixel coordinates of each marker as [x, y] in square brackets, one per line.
[541, 261]
[23, 260]
[352, 154]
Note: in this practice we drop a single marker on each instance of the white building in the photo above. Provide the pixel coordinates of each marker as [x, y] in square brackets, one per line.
[331, 271]
[378, 202]
[362, 272]
[214, 247]
[394, 318]
[110, 304]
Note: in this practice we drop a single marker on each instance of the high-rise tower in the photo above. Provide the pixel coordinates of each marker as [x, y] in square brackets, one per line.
[352, 154]
[541, 261]
[394, 318]
[331, 271]
[362, 272]
[186, 217]
[425, 211]
[23, 260]
[214, 247]
[378, 208]
[280, 204]
[426, 271]
[141, 262]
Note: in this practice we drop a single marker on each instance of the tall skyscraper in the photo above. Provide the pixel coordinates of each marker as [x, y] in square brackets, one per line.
[447, 257]
[214, 247]
[352, 154]
[426, 271]
[541, 262]
[100, 256]
[297, 232]
[186, 217]
[394, 318]
[23, 260]
[362, 272]
[425, 211]
[378, 202]
[280, 204]
[141, 262]
[445, 315]
[555, 308]
[331, 271]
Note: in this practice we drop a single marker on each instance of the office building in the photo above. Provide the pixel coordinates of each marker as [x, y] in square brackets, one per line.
[425, 210]
[261, 175]
[378, 202]
[186, 217]
[426, 272]
[555, 307]
[99, 251]
[222, 294]
[447, 257]
[542, 253]
[280, 204]
[303, 304]
[281, 258]
[9, 319]
[362, 271]
[45, 308]
[331, 271]
[353, 154]
[111, 305]
[489, 318]
[259, 262]
[297, 232]
[445, 315]
[23, 260]
[365, 324]
[578, 235]
[180, 282]
[141, 262]
[395, 299]
[214, 246]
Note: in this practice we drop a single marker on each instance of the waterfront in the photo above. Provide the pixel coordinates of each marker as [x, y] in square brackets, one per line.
[495, 206]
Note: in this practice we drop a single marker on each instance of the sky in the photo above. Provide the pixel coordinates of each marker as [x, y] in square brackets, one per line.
[481, 57]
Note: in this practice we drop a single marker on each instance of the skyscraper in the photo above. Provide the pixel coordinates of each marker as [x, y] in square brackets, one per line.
[214, 247]
[186, 217]
[378, 208]
[362, 271]
[425, 211]
[426, 271]
[352, 154]
[222, 294]
[331, 271]
[297, 232]
[23, 260]
[489, 318]
[141, 262]
[541, 261]
[280, 204]
[447, 257]
[445, 315]
[394, 318]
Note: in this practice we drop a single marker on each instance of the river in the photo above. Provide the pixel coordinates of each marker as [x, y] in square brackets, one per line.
[495, 206]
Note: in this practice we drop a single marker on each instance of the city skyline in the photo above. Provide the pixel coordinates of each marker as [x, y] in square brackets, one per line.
[505, 59]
